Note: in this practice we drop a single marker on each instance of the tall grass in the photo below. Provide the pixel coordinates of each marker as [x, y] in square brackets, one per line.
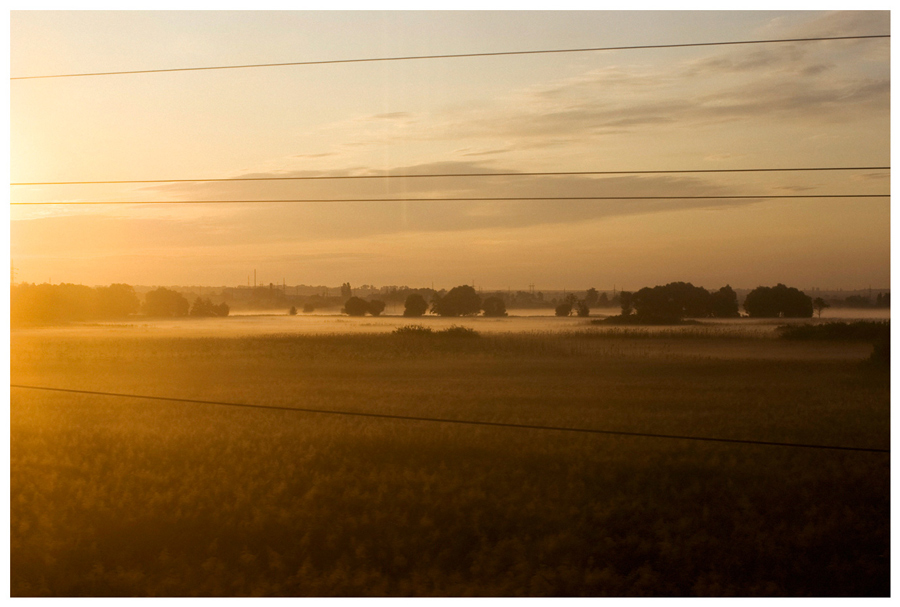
[131, 497]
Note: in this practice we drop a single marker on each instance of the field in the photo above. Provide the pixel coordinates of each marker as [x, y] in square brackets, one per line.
[117, 496]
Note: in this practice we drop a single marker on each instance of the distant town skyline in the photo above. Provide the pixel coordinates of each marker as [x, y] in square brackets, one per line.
[787, 105]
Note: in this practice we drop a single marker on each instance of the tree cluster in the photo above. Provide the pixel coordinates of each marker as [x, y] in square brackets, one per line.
[671, 303]
[204, 307]
[356, 306]
[68, 302]
[778, 302]
[882, 300]
[458, 301]
[678, 300]
[165, 302]
[415, 305]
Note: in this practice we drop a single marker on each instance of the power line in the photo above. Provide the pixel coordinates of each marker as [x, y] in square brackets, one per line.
[420, 175]
[455, 56]
[453, 421]
[458, 199]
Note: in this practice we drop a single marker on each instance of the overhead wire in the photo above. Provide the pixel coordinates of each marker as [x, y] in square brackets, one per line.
[454, 199]
[451, 175]
[453, 421]
[454, 56]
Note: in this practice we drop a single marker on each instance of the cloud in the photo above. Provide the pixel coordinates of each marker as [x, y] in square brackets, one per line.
[270, 224]
[811, 84]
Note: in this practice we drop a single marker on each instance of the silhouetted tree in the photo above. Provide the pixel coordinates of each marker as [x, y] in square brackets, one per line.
[376, 307]
[659, 304]
[625, 300]
[204, 307]
[858, 301]
[308, 307]
[165, 302]
[346, 291]
[778, 301]
[581, 308]
[293, 311]
[564, 309]
[724, 303]
[494, 306]
[117, 300]
[52, 303]
[356, 307]
[673, 301]
[415, 305]
[603, 300]
[591, 297]
[819, 305]
[459, 301]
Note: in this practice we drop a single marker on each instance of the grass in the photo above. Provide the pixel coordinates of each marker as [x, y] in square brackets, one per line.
[860, 331]
[130, 497]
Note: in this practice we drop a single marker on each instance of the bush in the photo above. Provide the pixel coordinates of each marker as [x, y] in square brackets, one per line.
[854, 331]
[457, 331]
[307, 308]
[293, 311]
[413, 330]
[881, 350]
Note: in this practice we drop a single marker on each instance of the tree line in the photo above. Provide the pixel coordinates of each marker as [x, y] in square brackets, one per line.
[69, 302]
[670, 303]
[662, 304]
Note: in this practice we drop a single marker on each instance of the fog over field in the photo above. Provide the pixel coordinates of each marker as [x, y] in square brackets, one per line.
[496, 303]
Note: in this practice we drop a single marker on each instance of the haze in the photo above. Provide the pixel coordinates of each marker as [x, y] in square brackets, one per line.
[819, 104]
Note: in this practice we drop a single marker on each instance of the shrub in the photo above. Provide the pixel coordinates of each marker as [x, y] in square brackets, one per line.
[859, 331]
[413, 330]
[881, 350]
[458, 331]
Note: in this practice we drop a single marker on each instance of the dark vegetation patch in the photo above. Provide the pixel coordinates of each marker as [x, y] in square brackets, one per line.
[633, 319]
[420, 331]
[853, 331]
[134, 498]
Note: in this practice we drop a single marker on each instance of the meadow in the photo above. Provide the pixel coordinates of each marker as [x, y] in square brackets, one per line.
[115, 496]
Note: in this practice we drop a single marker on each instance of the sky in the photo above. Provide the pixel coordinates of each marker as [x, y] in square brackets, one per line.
[789, 105]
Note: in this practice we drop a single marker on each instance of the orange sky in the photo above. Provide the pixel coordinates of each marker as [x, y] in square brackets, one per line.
[784, 105]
